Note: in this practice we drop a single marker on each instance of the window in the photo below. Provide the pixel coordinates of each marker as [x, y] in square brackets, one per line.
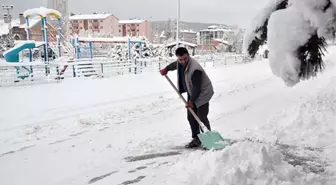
[101, 27]
[101, 20]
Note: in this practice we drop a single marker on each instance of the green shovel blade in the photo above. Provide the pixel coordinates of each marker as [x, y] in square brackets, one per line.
[213, 140]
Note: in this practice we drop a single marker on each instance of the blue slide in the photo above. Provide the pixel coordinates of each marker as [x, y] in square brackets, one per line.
[12, 55]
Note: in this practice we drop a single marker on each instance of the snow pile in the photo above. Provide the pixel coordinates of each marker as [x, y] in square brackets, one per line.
[240, 164]
[309, 124]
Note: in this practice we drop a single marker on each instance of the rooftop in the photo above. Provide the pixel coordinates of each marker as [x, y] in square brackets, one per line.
[131, 21]
[4, 26]
[89, 16]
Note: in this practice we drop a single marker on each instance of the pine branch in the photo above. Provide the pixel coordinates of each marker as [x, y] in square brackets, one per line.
[310, 56]
[262, 31]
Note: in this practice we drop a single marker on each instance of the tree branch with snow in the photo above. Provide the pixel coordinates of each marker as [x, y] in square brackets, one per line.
[257, 35]
[296, 36]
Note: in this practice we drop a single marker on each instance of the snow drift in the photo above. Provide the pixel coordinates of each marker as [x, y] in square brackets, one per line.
[243, 163]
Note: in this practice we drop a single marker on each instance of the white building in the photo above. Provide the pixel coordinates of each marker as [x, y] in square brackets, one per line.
[206, 36]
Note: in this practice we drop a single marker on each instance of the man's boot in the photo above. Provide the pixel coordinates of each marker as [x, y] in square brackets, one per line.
[194, 143]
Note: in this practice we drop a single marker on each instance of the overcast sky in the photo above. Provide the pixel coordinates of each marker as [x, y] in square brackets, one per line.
[233, 12]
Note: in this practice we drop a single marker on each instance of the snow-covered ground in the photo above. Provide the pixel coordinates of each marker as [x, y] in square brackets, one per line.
[127, 130]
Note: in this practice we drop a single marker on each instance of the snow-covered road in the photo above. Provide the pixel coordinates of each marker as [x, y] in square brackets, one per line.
[82, 131]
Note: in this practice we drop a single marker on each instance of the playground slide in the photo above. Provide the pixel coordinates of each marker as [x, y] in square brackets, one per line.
[12, 55]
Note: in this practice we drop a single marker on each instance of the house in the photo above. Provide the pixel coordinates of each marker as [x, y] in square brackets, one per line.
[105, 23]
[18, 31]
[213, 33]
[134, 28]
[187, 36]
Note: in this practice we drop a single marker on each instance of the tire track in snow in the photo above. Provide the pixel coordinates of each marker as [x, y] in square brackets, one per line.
[18, 150]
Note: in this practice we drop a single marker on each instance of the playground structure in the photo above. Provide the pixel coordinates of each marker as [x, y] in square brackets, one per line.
[78, 43]
[43, 13]
[13, 54]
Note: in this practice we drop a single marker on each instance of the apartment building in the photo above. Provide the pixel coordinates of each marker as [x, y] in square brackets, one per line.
[102, 23]
[134, 28]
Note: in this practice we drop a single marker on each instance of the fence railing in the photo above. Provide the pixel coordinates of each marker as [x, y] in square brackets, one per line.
[39, 72]
[56, 71]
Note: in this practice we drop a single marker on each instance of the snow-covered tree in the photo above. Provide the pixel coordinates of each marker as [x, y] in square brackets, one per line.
[6, 42]
[236, 40]
[295, 32]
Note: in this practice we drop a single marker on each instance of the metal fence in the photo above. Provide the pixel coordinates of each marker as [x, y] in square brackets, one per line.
[40, 72]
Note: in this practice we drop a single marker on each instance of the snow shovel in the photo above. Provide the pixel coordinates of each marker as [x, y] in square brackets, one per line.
[210, 139]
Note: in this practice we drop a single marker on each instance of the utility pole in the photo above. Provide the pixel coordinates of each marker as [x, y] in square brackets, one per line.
[7, 16]
[178, 24]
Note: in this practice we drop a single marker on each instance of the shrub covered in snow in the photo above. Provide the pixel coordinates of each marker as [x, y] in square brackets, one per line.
[120, 51]
[6, 42]
[295, 32]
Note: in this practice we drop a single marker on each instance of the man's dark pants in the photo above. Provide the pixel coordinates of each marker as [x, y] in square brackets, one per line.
[202, 112]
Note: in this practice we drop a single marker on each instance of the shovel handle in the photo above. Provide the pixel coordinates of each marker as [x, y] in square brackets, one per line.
[190, 109]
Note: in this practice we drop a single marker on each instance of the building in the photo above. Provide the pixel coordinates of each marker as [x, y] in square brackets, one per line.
[105, 23]
[134, 28]
[207, 36]
[18, 31]
[187, 36]
[63, 7]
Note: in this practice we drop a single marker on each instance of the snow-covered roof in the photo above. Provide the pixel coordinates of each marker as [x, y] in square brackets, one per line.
[4, 26]
[131, 21]
[188, 31]
[213, 27]
[223, 41]
[182, 42]
[32, 22]
[42, 11]
[112, 39]
[217, 29]
[89, 16]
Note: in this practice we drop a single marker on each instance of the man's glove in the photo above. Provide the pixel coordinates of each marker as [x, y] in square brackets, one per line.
[163, 71]
[190, 104]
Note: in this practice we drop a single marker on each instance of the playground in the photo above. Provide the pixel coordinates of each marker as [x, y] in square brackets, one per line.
[89, 57]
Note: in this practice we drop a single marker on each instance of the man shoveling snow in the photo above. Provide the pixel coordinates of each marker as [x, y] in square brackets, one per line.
[193, 80]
